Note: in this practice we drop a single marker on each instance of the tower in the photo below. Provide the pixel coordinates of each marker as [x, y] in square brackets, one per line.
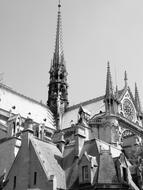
[58, 95]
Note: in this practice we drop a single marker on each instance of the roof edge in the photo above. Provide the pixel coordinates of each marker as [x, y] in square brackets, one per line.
[84, 103]
[23, 96]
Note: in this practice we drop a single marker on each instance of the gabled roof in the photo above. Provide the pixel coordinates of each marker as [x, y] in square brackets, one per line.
[91, 159]
[123, 92]
[50, 157]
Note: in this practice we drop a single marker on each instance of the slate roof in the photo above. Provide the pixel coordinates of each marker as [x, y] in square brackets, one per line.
[85, 103]
[93, 106]
[3, 127]
[106, 174]
[93, 148]
[25, 106]
[50, 157]
[69, 163]
[19, 94]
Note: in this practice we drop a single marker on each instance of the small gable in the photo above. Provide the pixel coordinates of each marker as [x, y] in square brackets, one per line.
[127, 107]
[87, 168]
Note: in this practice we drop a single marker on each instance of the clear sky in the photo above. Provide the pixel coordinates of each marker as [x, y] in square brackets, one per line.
[94, 31]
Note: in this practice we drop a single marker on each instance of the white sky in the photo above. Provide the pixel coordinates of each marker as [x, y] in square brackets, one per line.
[94, 32]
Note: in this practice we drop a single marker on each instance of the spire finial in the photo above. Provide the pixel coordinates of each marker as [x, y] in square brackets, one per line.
[125, 78]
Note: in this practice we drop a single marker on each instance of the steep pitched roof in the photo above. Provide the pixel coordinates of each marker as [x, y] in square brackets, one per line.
[50, 157]
[3, 86]
[106, 174]
[85, 103]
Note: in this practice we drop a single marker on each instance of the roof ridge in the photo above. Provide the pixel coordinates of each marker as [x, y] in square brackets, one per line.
[85, 103]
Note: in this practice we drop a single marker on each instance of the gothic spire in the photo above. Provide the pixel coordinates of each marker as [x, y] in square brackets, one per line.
[137, 99]
[58, 57]
[58, 93]
[109, 86]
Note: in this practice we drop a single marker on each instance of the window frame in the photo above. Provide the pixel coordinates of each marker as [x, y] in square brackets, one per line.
[14, 182]
[85, 173]
[35, 178]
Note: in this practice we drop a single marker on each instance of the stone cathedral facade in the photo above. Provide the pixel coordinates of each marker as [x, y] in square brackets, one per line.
[62, 147]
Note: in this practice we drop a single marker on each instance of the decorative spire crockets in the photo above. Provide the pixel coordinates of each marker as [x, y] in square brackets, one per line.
[57, 95]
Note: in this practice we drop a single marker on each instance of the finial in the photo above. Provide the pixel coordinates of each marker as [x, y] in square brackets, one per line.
[125, 78]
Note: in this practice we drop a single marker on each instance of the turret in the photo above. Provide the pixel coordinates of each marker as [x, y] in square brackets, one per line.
[58, 95]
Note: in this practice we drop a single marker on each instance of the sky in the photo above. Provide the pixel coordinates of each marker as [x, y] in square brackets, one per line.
[94, 32]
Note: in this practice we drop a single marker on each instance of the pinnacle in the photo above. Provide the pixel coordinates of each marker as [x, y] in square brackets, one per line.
[125, 78]
[109, 88]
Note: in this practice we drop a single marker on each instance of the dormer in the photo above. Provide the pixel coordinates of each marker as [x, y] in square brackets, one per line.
[87, 169]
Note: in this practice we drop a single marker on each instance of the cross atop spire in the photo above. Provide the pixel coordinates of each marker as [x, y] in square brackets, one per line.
[109, 86]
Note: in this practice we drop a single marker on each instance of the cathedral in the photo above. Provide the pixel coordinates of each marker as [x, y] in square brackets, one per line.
[62, 147]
